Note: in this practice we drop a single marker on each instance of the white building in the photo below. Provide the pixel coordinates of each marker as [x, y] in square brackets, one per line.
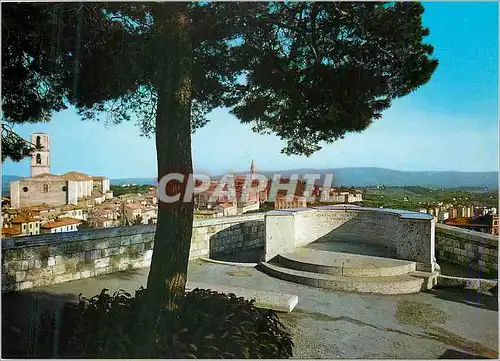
[103, 222]
[61, 225]
[71, 211]
[149, 215]
[26, 225]
[227, 209]
[443, 216]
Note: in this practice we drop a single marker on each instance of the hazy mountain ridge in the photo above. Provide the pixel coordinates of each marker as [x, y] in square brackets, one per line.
[363, 177]
[6, 179]
[357, 177]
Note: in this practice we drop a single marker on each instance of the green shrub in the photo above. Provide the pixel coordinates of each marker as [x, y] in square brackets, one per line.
[207, 325]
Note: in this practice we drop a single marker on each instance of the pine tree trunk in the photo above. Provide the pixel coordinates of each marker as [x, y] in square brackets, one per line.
[168, 272]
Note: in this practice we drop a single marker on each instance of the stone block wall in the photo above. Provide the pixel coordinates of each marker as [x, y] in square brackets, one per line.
[467, 248]
[236, 235]
[43, 260]
[330, 225]
[34, 194]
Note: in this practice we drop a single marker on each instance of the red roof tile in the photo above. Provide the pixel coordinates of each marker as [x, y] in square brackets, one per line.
[61, 222]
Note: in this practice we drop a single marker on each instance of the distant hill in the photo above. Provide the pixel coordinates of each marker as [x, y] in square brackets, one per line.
[363, 177]
[357, 177]
[371, 176]
[6, 179]
[139, 181]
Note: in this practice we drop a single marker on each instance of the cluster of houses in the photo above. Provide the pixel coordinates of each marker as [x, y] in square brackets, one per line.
[443, 212]
[124, 210]
[127, 209]
[41, 219]
[50, 203]
[245, 200]
[476, 218]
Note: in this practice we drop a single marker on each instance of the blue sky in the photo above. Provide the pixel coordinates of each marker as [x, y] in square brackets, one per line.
[448, 124]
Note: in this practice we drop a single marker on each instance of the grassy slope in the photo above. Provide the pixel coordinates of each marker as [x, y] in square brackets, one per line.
[418, 197]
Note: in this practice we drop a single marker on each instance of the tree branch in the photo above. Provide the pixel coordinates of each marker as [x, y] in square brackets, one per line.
[8, 129]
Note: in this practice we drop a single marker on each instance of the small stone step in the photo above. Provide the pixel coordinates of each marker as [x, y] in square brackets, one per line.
[280, 302]
[389, 285]
[344, 264]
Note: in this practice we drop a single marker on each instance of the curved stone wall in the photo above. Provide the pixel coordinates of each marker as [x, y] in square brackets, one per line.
[409, 235]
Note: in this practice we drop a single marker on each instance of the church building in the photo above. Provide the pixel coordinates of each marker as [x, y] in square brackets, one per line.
[44, 188]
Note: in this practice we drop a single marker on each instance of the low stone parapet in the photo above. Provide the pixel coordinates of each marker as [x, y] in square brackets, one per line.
[43, 260]
[464, 247]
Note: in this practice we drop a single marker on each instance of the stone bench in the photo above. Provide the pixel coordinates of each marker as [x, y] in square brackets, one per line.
[409, 235]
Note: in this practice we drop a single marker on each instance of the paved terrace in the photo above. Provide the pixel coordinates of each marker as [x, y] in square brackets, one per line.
[325, 324]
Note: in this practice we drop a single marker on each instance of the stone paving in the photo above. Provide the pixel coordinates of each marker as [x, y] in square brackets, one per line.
[328, 324]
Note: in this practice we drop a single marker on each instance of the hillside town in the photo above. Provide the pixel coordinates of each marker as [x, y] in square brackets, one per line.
[49, 203]
[475, 218]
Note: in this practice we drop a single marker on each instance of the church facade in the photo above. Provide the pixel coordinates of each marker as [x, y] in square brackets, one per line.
[44, 188]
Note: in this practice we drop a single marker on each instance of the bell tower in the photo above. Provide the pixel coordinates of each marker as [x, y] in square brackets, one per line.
[40, 159]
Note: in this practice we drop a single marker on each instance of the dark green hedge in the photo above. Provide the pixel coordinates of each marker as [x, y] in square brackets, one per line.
[207, 325]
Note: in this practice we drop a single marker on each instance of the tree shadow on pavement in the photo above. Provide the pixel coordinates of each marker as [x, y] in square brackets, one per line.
[466, 297]
[21, 319]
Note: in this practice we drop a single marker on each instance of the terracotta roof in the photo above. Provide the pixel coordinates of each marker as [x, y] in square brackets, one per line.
[70, 207]
[23, 219]
[46, 176]
[477, 221]
[132, 206]
[98, 177]
[458, 220]
[226, 205]
[97, 194]
[76, 176]
[38, 208]
[10, 232]
[61, 222]
[104, 211]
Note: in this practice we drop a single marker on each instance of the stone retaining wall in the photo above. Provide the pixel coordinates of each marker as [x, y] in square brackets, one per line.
[467, 248]
[53, 258]
[227, 235]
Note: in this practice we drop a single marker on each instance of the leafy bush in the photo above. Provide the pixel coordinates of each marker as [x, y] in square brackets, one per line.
[207, 325]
